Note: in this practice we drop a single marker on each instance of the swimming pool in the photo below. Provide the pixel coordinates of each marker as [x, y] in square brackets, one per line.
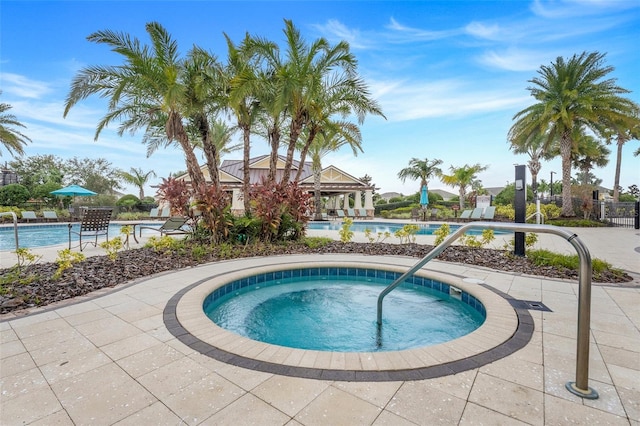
[382, 227]
[334, 309]
[44, 235]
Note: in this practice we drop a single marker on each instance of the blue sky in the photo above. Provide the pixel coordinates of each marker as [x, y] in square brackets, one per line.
[448, 75]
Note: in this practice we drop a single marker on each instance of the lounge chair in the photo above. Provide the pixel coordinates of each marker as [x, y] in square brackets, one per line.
[165, 213]
[351, 213]
[50, 215]
[153, 214]
[28, 215]
[489, 213]
[465, 215]
[476, 214]
[172, 226]
[362, 214]
[95, 222]
[415, 214]
[340, 214]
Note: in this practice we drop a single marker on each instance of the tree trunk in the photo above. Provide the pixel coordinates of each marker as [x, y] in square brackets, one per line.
[317, 195]
[274, 142]
[294, 133]
[246, 138]
[534, 169]
[616, 179]
[305, 150]
[210, 152]
[566, 145]
[461, 194]
[175, 131]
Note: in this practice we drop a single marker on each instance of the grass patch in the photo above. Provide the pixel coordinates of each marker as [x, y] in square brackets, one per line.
[556, 260]
[316, 242]
[577, 223]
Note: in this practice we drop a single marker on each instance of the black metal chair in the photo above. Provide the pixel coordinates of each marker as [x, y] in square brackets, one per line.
[95, 222]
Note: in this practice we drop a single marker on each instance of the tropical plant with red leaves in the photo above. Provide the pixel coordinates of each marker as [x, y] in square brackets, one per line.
[282, 209]
[177, 194]
[214, 206]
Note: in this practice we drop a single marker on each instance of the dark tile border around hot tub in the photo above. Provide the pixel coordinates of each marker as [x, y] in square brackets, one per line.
[517, 341]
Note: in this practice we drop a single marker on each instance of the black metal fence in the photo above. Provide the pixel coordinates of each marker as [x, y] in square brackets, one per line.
[620, 214]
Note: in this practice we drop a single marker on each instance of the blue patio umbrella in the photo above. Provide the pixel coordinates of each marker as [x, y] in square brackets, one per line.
[73, 190]
[424, 197]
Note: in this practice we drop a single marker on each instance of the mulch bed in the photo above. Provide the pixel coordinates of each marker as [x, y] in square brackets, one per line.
[36, 287]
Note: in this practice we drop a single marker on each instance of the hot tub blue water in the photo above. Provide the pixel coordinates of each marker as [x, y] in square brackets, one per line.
[334, 309]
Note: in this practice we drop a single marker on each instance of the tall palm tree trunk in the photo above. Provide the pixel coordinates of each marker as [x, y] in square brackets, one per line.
[246, 139]
[296, 128]
[305, 150]
[534, 168]
[616, 179]
[210, 151]
[317, 195]
[566, 145]
[274, 142]
[175, 130]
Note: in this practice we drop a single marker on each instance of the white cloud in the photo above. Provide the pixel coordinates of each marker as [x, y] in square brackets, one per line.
[22, 86]
[554, 9]
[410, 34]
[514, 59]
[402, 101]
[336, 30]
[481, 30]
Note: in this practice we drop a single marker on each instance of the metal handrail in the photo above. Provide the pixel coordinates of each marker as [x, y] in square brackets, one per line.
[15, 225]
[581, 386]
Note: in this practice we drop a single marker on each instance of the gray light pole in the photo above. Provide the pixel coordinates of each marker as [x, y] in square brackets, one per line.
[551, 185]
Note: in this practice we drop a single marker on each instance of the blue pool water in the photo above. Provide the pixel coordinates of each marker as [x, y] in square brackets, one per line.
[31, 236]
[382, 227]
[334, 309]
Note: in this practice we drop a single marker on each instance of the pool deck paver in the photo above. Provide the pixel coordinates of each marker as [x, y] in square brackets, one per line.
[109, 359]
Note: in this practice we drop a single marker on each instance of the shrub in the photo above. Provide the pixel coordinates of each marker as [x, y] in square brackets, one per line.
[441, 233]
[14, 195]
[66, 259]
[346, 234]
[407, 233]
[280, 208]
[213, 204]
[316, 242]
[128, 202]
[177, 194]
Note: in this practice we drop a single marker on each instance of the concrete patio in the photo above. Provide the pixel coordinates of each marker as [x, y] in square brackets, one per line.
[109, 358]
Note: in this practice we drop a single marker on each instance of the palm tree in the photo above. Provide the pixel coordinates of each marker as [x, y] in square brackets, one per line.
[536, 148]
[306, 73]
[623, 131]
[422, 170]
[340, 95]
[138, 178]
[570, 94]
[148, 89]
[332, 137]
[462, 177]
[10, 138]
[242, 85]
[590, 153]
[204, 84]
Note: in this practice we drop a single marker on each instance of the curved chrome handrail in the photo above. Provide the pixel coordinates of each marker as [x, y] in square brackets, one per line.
[581, 386]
